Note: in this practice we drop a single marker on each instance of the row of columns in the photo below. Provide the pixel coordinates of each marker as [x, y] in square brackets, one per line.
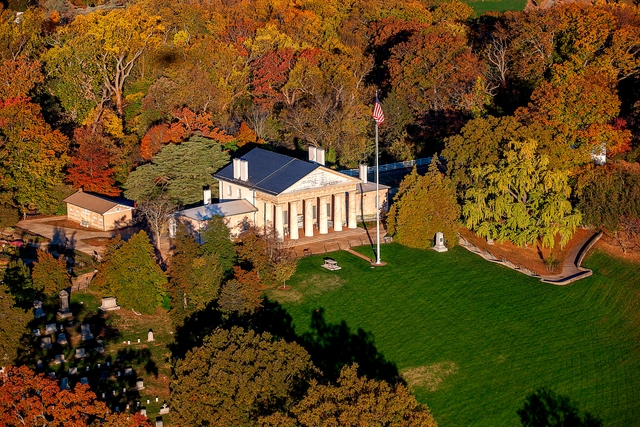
[307, 210]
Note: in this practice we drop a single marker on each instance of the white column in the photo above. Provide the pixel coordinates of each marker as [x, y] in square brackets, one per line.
[308, 217]
[279, 223]
[352, 221]
[337, 212]
[293, 220]
[322, 215]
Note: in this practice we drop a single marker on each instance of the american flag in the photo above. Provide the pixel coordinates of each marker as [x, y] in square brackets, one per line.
[378, 115]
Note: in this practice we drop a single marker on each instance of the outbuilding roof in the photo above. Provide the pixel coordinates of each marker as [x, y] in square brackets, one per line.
[224, 209]
[97, 204]
[269, 172]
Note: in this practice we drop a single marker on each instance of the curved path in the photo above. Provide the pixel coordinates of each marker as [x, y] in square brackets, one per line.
[571, 269]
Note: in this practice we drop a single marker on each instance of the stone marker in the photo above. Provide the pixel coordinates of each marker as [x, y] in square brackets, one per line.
[100, 348]
[128, 371]
[164, 409]
[439, 246]
[80, 353]
[103, 395]
[59, 359]
[39, 365]
[150, 335]
[45, 343]
[64, 312]
[143, 411]
[36, 333]
[62, 339]
[87, 368]
[64, 383]
[52, 375]
[73, 370]
[85, 332]
[159, 422]
[140, 384]
[85, 380]
[38, 312]
[109, 304]
[51, 329]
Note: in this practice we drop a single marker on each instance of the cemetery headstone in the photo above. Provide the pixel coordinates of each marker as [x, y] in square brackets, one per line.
[80, 353]
[439, 246]
[39, 365]
[64, 383]
[109, 304]
[62, 339]
[59, 359]
[36, 333]
[51, 329]
[85, 332]
[140, 384]
[52, 375]
[64, 312]
[159, 422]
[73, 370]
[143, 411]
[128, 371]
[165, 409]
[150, 335]
[38, 312]
[100, 347]
[45, 343]
[85, 380]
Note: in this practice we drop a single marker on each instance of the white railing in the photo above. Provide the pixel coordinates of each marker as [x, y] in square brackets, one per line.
[390, 166]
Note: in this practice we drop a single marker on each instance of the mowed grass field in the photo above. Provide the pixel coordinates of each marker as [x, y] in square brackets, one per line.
[472, 338]
[481, 7]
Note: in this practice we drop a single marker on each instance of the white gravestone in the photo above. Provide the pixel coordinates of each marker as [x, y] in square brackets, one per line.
[45, 343]
[109, 304]
[59, 359]
[73, 371]
[38, 312]
[85, 332]
[440, 247]
[150, 335]
[64, 311]
[51, 329]
[80, 353]
[164, 409]
[62, 339]
[140, 384]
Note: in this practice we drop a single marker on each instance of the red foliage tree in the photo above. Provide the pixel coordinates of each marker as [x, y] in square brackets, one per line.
[92, 164]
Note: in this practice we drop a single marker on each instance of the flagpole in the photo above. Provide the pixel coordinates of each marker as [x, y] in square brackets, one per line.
[377, 196]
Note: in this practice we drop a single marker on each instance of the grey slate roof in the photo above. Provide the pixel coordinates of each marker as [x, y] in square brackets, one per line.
[269, 172]
[225, 209]
[97, 204]
[368, 187]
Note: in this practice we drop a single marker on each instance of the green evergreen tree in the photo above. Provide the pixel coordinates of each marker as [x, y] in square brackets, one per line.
[180, 171]
[131, 274]
[217, 241]
[17, 277]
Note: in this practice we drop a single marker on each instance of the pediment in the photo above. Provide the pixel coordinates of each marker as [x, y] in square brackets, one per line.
[320, 178]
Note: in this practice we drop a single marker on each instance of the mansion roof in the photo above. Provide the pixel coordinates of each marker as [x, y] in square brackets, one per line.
[97, 204]
[269, 172]
[224, 209]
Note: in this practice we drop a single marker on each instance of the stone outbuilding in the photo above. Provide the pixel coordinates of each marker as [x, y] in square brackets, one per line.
[99, 212]
[295, 197]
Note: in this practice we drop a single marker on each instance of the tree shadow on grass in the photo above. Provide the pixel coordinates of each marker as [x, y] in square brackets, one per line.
[545, 408]
[331, 346]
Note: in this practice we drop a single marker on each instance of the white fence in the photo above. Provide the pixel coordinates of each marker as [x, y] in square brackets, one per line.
[390, 166]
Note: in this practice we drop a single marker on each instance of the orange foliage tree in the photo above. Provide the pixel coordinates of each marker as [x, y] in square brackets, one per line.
[30, 399]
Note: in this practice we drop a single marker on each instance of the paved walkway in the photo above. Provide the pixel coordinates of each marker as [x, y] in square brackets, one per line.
[71, 237]
[571, 269]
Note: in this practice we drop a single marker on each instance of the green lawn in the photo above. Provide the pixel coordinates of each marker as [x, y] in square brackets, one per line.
[474, 338]
[481, 7]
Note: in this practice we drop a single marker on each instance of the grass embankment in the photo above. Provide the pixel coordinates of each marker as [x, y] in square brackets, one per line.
[472, 338]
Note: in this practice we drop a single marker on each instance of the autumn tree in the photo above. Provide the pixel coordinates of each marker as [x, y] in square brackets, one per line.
[93, 163]
[27, 398]
[179, 171]
[158, 214]
[24, 40]
[243, 293]
[237, 376]
[50, 275]
[354, 401]
[13, 326]
[130, 273]
[423, 206]
[94, 56]
[194, 276]
[520, 198]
